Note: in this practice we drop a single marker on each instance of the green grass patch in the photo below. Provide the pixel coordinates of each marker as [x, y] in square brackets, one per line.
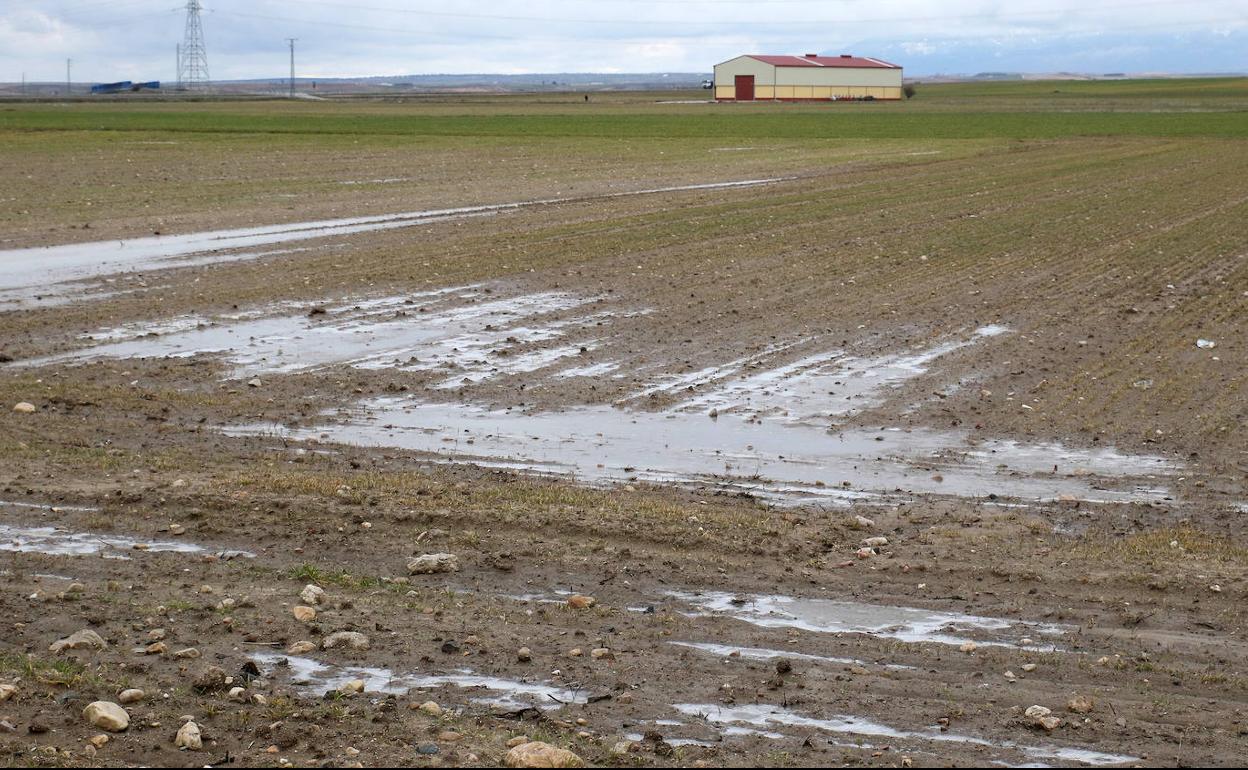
[721, 121]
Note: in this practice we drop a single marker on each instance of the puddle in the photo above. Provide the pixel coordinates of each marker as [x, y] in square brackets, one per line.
[762, 425]
[751, 426]
[760, 653]
[34, 272]
[907, 624]
[59, 542]
[826, 384]
[422, 331]
[37, 576]
[778, 461]
[763, 716]
[317, 678]
[46, 507]
[386, 180]
[673, 742]
[591, 370]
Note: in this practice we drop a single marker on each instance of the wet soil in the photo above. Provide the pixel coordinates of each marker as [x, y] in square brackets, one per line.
[1044, 529]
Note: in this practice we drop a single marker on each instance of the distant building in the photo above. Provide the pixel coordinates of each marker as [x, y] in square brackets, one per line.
[806, 78]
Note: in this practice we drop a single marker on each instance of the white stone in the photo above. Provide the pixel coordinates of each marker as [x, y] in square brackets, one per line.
[432, 563]
[312, 595]
[352, 640]
[189, 737]
[107, 716]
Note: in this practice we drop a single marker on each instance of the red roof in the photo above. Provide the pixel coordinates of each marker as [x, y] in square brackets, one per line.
[844, 60]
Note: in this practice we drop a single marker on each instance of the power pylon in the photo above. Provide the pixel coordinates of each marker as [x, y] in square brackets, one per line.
[193, 58]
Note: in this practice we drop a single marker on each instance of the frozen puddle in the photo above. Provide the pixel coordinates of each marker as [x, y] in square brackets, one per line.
[787, 462]
[317, 678]
[761, 653]
[825, 384]
[38, 272]
[753, 425]
[59, 542]
[763, 425]
[46, 507]
[463, 332]
[906, 624]
[763, 716]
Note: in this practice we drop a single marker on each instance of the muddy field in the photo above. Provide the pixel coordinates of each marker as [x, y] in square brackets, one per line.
[797, 450]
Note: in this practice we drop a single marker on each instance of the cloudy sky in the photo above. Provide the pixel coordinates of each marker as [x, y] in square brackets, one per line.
[135, 39]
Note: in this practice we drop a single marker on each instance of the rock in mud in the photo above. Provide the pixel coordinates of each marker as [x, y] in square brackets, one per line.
[352, 640]
[210, 679]
[875, 542]
[524, 655]
[301, 647]
[1080, 704]
[107, 716]
[24, 407]
[79, 640]
[7, 691]
[430, 708]
[312, 595]
[433, 563]
[189, 737]
[133, 695]
[1042, 717]
[354, 687]
[303, 614]
[538, 754]
[579, 602]
[190, 653]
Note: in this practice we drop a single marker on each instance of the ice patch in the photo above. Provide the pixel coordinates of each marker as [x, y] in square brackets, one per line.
[31, 272]
[828, 384]
[591, 370]
[761, 653]
[317, 678]
[420, 331]
[770, 716]
[59, 542]
[907, 624]
[782, 461]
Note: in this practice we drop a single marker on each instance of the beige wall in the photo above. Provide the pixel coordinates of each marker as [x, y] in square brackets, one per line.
[807, 82]
[726, 74]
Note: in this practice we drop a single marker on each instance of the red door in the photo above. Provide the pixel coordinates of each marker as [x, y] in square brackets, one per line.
[745, 88]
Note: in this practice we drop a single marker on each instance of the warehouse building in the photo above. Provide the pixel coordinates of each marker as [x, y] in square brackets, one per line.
[803, 78]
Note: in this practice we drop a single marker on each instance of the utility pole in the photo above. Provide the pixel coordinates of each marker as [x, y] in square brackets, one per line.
[292, 40]
[178, 67]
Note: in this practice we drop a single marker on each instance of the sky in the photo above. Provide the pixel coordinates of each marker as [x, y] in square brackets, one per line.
[135, 39]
